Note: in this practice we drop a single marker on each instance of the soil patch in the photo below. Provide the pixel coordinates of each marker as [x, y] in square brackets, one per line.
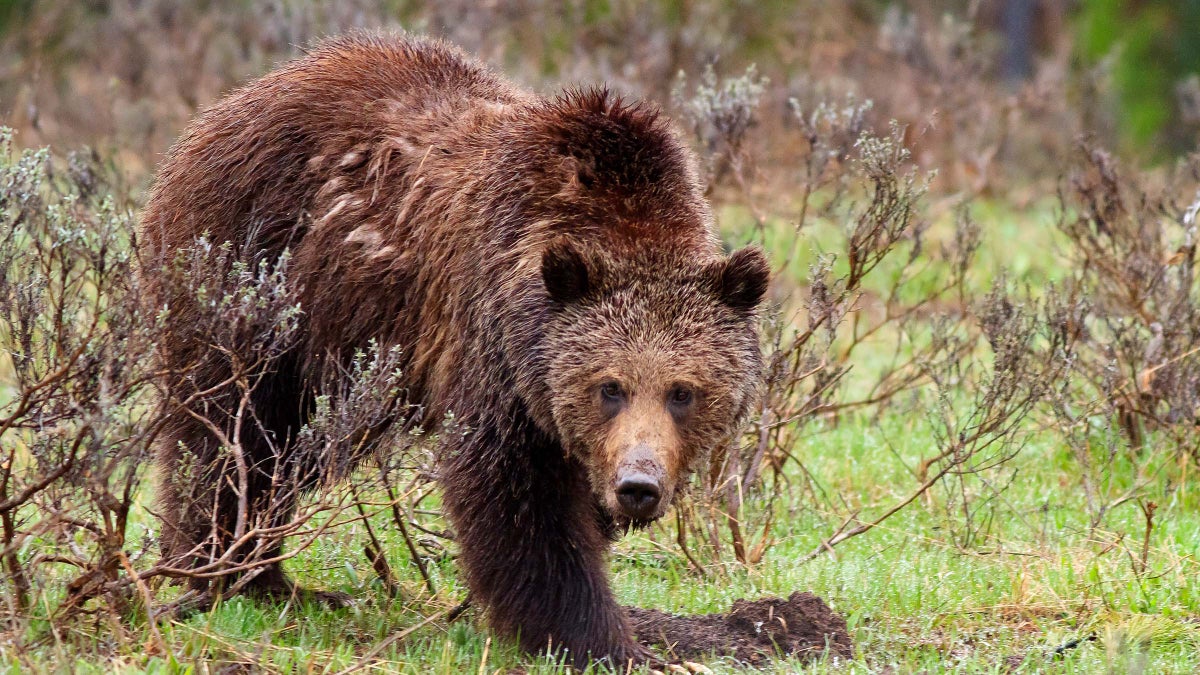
[752, 631]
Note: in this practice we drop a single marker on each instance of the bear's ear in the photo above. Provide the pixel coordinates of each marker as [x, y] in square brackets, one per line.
[565, 273]
[741, 280]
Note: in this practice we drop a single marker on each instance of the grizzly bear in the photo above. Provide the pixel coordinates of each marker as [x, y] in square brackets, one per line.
[549, 271]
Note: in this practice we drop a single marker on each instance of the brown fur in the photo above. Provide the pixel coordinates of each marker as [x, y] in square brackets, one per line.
[521, 251]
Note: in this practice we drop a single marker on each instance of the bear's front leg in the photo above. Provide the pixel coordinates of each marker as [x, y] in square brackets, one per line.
[533, 544]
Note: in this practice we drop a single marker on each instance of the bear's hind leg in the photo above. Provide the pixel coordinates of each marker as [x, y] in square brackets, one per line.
[187, 489]
[228, 540]
[275, 498]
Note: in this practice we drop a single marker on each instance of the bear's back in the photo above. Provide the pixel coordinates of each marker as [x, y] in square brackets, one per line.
[249, 167]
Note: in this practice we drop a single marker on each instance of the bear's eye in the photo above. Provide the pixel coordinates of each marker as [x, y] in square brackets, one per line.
[611, 392]
[681, 396]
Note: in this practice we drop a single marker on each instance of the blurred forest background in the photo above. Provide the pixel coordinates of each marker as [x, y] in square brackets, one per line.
[991, 89]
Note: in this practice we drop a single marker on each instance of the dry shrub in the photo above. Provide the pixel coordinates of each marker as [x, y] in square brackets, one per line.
[847, 174]
[87, 401]
[982, 413]
[1133, 301]
[720, 113]
[78, 417]
[243, 320]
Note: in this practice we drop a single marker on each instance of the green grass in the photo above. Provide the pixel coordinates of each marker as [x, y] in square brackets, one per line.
[914, 601]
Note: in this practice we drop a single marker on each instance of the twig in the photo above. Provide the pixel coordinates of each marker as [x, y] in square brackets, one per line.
[156, 637]
[1148, 509]
[374, 552]
[399, 519]
[840, 536]
[681, 539]
[459, 609]
[1071, 644]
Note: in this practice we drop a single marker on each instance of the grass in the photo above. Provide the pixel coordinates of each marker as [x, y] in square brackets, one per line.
[913, 600]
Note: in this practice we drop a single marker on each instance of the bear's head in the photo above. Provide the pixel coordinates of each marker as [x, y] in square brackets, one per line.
[654, 360]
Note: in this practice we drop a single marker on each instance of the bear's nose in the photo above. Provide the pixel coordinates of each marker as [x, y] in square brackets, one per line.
[638, 495]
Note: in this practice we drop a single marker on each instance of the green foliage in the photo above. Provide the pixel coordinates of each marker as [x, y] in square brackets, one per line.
[1148, 47]
[11, 13]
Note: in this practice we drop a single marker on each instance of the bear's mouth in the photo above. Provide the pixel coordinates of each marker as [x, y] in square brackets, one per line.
[626, 525]
[625, 520]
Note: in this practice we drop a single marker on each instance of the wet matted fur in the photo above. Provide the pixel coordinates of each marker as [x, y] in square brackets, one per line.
[548, 268]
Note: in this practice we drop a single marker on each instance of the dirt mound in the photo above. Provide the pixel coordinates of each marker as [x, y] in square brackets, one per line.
[751, 631]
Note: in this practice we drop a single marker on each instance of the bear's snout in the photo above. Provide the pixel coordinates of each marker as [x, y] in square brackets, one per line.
[639, 495]
[638, 488]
